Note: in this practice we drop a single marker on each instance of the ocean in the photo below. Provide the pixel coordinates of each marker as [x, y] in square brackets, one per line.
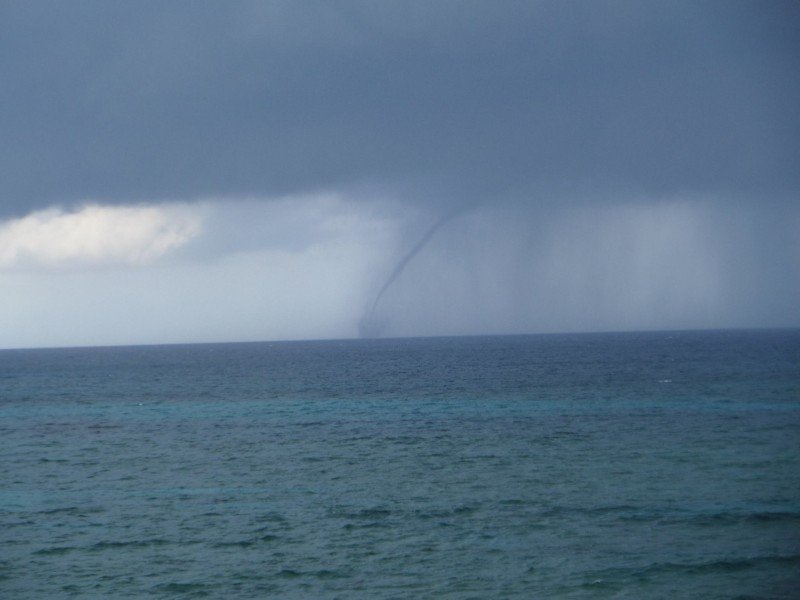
[625, 465]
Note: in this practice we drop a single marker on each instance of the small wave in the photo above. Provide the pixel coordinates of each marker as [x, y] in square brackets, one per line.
[724, 518]
[723, 566]
[365, 525]
[328, 574]
[192, 589]
[130, 544]
[246, 543]
[514, 502]
[600, 585]
[236, 544]
[55, 511]
[272, 517]
[462, 510]
[371, 513]
[320, 574]
[288, 574]
[55, 551]
[376, 512]
[671, 517]
[79, 511]
[733, 518]
[609, 576]
[558, 511]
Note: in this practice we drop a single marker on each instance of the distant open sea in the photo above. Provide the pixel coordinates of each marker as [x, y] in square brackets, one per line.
[628, 465]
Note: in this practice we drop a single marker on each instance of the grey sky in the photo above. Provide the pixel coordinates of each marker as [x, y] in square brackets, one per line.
[409, 109]
[146, 100]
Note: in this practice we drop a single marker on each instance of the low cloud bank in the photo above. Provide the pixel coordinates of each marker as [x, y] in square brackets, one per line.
[97, 235]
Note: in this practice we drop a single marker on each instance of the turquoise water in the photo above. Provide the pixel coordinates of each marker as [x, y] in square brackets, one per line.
[651, 465]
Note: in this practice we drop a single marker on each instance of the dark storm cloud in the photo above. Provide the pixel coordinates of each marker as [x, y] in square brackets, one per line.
[435, 101]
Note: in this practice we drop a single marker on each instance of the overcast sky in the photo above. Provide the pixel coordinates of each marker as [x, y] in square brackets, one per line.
[222, 171]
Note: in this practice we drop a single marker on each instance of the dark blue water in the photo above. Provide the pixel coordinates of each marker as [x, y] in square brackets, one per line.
[652, 465]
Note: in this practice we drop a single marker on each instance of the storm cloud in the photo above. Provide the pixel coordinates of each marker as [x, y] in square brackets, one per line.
[434, 102]
[551, 130]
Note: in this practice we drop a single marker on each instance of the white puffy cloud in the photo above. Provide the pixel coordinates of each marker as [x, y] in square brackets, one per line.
[97, 235]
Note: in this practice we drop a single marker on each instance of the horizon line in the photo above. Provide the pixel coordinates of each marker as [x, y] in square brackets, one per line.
[403, 337]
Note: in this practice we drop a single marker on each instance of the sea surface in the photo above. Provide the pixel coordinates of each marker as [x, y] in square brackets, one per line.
[629, 465]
